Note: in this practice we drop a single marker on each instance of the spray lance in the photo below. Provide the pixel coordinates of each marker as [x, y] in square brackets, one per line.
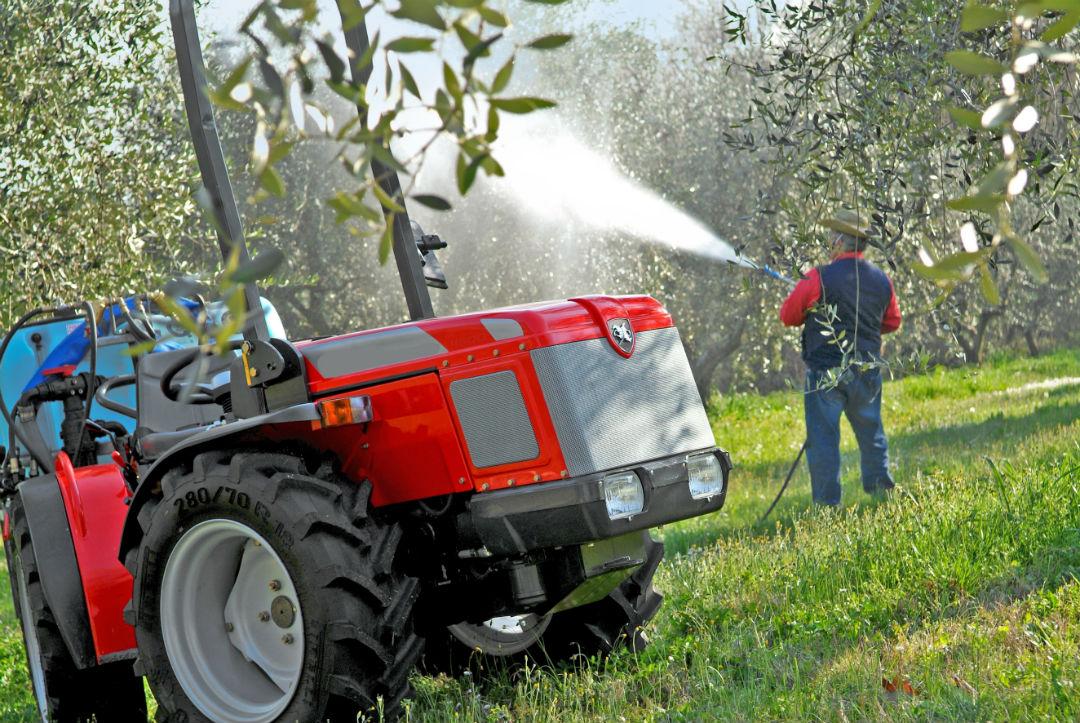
[770, 272]
[740, 260]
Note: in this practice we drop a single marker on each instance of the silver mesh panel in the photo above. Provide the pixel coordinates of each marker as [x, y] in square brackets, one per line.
[610, 411]
[493, 416]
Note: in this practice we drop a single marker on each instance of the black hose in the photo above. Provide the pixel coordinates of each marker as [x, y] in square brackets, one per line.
[91, 382]
[19, 324]
[136, 331]
[787, 479]
[10, 449]
[101, 395]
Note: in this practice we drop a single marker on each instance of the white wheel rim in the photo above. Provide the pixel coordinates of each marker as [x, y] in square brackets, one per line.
[231, 622]
[511, 624]
[33, 647]
[502, 636]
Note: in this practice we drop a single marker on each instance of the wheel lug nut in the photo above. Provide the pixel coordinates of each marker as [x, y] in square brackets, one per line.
[264, 617]
[287, 638]
[275, 585]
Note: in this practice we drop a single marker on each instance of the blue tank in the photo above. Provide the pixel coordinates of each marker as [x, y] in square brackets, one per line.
[39, 347]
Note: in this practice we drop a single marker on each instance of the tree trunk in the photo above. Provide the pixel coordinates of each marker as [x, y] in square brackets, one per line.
[1029, 337]
[981, 328]
[704, 364]
[973, 342]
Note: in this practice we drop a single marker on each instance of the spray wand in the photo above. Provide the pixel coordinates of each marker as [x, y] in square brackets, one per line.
[772, 273]
[763, 268]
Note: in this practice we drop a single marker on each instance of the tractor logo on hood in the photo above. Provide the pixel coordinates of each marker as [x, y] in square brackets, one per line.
[622, 334]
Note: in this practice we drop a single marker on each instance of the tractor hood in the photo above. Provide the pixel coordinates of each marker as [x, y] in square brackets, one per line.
[445, 344]
[516, 396]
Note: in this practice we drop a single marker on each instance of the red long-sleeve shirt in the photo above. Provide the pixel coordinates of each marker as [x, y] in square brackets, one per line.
[808, 291]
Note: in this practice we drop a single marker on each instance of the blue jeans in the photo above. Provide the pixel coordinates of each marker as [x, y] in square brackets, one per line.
[858, 395]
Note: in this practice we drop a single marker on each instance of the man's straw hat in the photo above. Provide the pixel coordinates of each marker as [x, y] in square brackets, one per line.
[849, 222]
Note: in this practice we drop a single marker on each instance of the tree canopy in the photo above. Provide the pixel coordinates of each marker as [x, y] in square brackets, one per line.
[95, 167]
[756, 121]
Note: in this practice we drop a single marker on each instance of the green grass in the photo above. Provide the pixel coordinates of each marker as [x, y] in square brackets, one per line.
[963, 584]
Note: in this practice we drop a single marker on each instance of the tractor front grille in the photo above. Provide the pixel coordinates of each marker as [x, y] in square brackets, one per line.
[610, 411]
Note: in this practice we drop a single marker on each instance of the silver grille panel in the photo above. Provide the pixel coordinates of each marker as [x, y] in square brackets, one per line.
[494, 419]
[610, 411]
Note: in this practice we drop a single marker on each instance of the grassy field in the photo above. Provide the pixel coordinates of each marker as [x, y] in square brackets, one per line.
[957, 598]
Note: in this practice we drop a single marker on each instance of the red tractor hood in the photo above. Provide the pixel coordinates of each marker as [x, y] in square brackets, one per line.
[353, 360]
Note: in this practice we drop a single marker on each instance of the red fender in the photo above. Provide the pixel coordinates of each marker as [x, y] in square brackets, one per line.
[94, 498]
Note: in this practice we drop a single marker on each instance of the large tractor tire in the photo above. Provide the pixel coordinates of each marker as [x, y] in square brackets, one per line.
[265, 591]
[63, 693]
[599, 628]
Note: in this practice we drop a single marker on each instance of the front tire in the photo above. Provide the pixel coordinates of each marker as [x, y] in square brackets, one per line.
[63, 693]
[301, 611]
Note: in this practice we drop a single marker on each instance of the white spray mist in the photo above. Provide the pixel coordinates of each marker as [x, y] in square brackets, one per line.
[552, 176]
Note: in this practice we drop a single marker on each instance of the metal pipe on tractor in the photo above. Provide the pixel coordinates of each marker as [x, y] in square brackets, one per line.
[287, 531]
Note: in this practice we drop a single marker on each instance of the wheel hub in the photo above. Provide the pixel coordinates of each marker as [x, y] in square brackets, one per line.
[502, 636]
[231, 622]
[283, 612]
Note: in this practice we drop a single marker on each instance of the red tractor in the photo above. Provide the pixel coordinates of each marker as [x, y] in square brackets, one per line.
[289, 533]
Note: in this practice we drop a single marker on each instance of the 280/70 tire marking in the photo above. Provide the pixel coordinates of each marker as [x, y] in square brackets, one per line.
[202, 496]
[232, 496]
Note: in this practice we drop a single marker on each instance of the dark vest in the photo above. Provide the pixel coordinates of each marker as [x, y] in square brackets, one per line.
[861, 293]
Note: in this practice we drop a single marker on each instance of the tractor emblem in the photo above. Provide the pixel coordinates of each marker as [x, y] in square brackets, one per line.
[622, 334]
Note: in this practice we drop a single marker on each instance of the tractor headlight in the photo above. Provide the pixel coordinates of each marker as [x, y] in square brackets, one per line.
[623, 495]
[706, 476]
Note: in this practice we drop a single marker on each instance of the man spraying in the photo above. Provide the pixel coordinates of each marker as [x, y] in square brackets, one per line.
[844, 307]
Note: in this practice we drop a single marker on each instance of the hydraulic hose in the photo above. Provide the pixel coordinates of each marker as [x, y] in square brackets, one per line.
[182, 361]
[91, 382]
[19, 324]
[134, 329]
[787, 479]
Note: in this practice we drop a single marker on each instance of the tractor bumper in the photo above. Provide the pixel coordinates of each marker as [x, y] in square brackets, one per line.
[574, 511]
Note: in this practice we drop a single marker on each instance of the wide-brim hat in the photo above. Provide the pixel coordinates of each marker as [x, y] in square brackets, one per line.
[849, 222]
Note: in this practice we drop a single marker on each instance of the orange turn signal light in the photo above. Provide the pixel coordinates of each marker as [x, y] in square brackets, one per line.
[345, 410]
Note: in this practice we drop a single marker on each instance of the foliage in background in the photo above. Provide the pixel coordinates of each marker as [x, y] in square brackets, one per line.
[667, 118]
[466, 106]
[94, 162]
[858, 105]
[94, 183]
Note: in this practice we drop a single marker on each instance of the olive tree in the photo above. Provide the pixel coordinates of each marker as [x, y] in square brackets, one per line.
[94, 169]
[870, 105]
